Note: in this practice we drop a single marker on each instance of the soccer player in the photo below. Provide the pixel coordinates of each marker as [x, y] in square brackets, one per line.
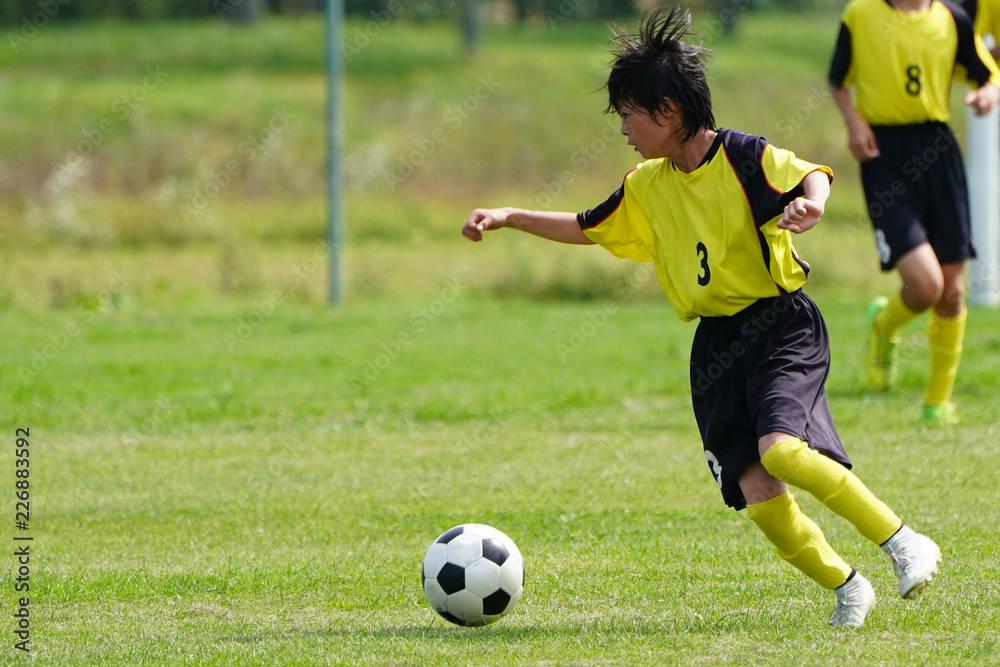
[714, 211]
[900, 57]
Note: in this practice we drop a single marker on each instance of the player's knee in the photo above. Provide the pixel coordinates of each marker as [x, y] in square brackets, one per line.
[759, 486]
[924, 292]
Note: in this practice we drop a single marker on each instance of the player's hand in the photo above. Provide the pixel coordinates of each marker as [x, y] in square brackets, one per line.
[861, 141]
[800, 215]
[481, 220]
[982, 100]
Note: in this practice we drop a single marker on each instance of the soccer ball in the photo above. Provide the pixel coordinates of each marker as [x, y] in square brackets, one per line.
[473, 575]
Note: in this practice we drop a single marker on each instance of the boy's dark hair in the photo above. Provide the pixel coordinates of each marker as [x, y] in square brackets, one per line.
[656, 64]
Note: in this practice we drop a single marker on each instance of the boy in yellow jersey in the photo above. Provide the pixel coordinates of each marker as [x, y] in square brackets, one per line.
[714, 211]
[900, 57]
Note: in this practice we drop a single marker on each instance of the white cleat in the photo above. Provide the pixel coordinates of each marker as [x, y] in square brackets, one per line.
[915, 558]
[855, 600]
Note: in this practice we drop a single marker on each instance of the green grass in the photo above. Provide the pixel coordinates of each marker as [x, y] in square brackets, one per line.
[203, 501]
[226, 470]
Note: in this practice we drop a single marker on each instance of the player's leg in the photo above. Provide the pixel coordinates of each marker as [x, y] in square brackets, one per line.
[922, 286]
[787, 379]
[792, 461]
[798, 540]
[901, 238]
[946, 334]
[915, 557]
[719, 397]
[801, 543]
[949, 231]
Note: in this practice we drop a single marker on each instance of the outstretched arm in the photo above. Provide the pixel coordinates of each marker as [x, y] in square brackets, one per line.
[804, 212]
[561, 227]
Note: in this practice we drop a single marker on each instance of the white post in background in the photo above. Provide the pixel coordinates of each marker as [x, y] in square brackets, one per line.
[983, 168]
[335, 207]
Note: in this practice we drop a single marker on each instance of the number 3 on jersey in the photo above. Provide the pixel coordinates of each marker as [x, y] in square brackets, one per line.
[702, 251]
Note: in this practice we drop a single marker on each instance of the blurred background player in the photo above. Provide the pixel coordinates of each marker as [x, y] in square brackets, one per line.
[714, 211]
[900, 57]
[985, 16]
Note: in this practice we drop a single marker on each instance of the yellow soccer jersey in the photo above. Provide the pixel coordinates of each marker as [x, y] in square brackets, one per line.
[712, 233]
[902, 65]
[986, 17]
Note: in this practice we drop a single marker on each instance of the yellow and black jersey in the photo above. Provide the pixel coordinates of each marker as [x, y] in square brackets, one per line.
[985, 17]
[902, 65]
[711, 233]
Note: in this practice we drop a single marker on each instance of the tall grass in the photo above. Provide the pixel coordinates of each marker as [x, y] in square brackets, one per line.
[149, 117]
[203, 144]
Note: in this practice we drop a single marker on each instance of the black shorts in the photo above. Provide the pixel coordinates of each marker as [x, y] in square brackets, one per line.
[917, 193]
[756, 372]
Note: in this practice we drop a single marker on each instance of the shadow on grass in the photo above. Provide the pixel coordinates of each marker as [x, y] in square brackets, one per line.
[713, 623]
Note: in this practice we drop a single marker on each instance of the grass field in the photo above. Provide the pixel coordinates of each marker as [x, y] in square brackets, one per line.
[270, 504]
[226, 470]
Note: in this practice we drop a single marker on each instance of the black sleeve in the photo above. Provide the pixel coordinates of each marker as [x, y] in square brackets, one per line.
[600, 213]
[745, 152]
[971, 7]
[966, 55]
[841, 58]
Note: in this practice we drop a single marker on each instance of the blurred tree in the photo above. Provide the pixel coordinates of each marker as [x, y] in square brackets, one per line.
[363, 7]
[238, 11]
[34, 14]
[295, 6]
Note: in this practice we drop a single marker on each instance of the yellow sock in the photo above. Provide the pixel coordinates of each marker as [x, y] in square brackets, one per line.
[894, 316]
[793, 462]
[799, 540]
[946, 337]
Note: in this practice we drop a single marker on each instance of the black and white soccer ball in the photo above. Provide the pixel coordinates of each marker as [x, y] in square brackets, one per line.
[473, 575]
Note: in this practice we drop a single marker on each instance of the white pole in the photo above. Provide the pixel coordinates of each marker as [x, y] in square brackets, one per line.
[983, 167]
[334, 66]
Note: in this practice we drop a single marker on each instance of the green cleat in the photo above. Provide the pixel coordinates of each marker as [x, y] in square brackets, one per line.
[881, 354]
[940, 414]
